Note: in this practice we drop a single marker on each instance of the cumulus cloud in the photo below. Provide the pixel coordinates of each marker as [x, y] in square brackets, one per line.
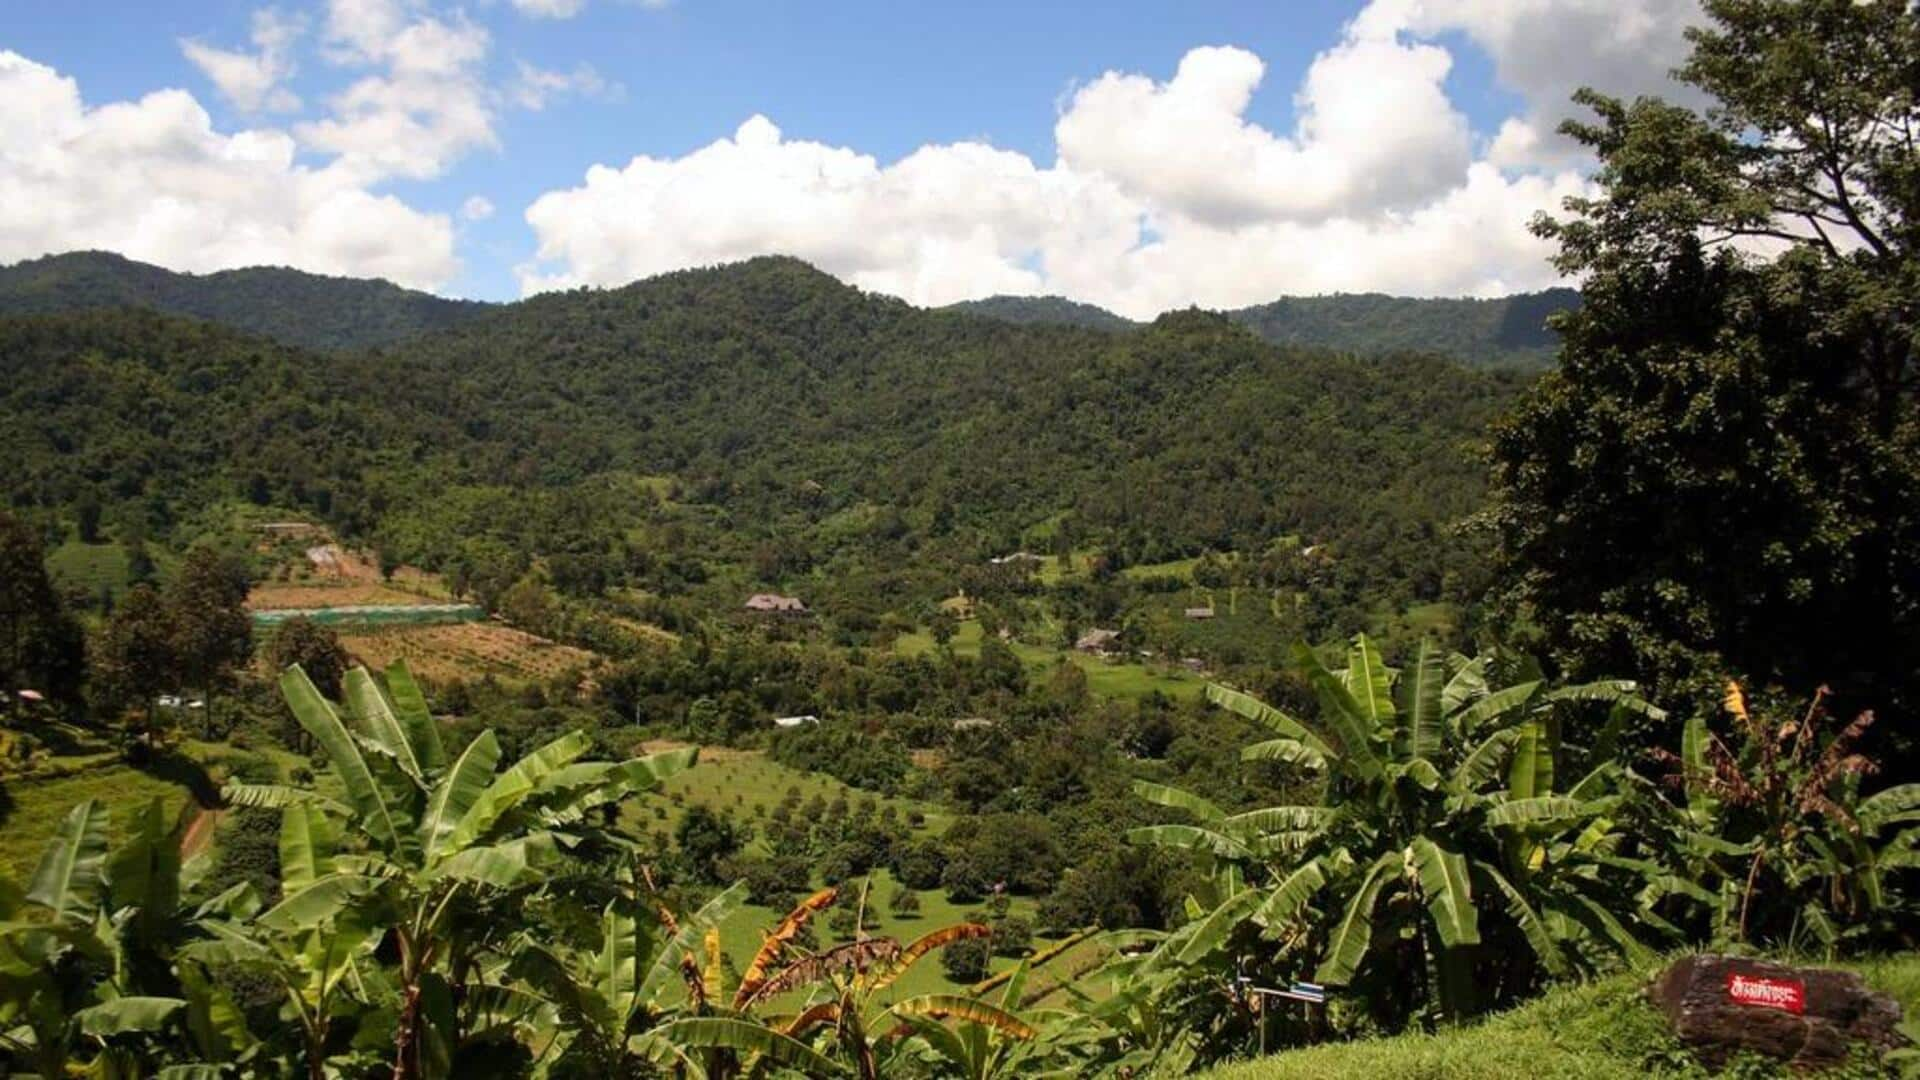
[1376, 132]
[1163, 192]
[476, 208]
[1544, 50]
[423, 106]
[154, 180]
[253, 80]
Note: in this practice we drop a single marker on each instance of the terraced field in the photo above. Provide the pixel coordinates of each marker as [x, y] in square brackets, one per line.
[467, 651]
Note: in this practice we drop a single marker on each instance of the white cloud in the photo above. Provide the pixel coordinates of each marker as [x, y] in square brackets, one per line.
[1546, 49]
[1376, 131]
[426, 105]
[476, 208]
[252, 80]
[1163, 195]
[549, 9]
[534, 87]
[153, 180]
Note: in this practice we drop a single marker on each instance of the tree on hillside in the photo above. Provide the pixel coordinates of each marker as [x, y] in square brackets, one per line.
[315, 648]
[212, 635]
[1725, 471]
[134, 661]
[41, 646]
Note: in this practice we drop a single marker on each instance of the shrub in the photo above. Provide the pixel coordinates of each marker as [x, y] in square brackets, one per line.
[1012, 936]
[965, 961]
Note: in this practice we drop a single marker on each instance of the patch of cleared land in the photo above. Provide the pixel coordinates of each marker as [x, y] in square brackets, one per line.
[466, 651]
[1105, 678]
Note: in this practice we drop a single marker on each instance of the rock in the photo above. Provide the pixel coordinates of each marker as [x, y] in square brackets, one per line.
[1809, 1018]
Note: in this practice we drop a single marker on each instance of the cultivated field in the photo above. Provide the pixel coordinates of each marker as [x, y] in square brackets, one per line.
[466, 651]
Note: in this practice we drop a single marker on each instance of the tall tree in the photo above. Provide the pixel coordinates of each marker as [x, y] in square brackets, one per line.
[314, 647]
[134, 659]
[212, 635]
[41, 646]
[1725, 470]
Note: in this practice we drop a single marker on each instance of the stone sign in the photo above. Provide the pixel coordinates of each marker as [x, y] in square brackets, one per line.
[1807, 1017]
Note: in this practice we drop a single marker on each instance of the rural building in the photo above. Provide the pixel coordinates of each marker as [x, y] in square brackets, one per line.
[972, 723]
[775, 604]
[794, 721]
[1200, 612]
[1016, 557]
[1098, 642]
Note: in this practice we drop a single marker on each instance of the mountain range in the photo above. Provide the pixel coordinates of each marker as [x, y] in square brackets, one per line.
[321, 312]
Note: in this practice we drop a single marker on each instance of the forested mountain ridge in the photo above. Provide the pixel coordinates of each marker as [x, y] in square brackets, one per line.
[321, 312]
[1508, 331]
[1044, 309]
[312, 310]
[793, 402]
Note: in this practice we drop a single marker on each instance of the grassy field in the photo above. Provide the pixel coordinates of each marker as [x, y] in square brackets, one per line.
[747, 785]
[93, 567]
[1604, 1030]
[1112, 679]
[38, 805]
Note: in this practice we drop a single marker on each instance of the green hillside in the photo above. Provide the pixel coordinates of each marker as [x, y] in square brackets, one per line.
[311, 310]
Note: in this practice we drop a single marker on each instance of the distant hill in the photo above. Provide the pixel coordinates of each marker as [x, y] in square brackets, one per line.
[309, 310]
[804, 408]
[1055, 310]
[1508, 332]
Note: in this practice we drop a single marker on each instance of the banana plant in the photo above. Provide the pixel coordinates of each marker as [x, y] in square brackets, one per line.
[82, 948]
[420, 840]
[848, 1009]
[1443, 808]
[1779, 814]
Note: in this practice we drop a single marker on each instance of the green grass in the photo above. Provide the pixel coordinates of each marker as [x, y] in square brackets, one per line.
[1107, 679]
[89, 567]
[39, 805]
[742, 934]
[743, 784]
[1179, 568]
[747, 786]
[1603, 1030]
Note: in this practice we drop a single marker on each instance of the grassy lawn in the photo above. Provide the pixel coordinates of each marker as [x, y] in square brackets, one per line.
[1603, 1030]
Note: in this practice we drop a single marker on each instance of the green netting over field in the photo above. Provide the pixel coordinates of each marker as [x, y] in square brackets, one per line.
[374, 615]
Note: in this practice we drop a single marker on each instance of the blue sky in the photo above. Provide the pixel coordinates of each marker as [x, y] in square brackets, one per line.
[875, 81]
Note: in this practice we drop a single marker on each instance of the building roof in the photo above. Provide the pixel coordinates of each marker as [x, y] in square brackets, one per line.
[1199, 613]
[1097, 639]
[774, 602]
[795, 721]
